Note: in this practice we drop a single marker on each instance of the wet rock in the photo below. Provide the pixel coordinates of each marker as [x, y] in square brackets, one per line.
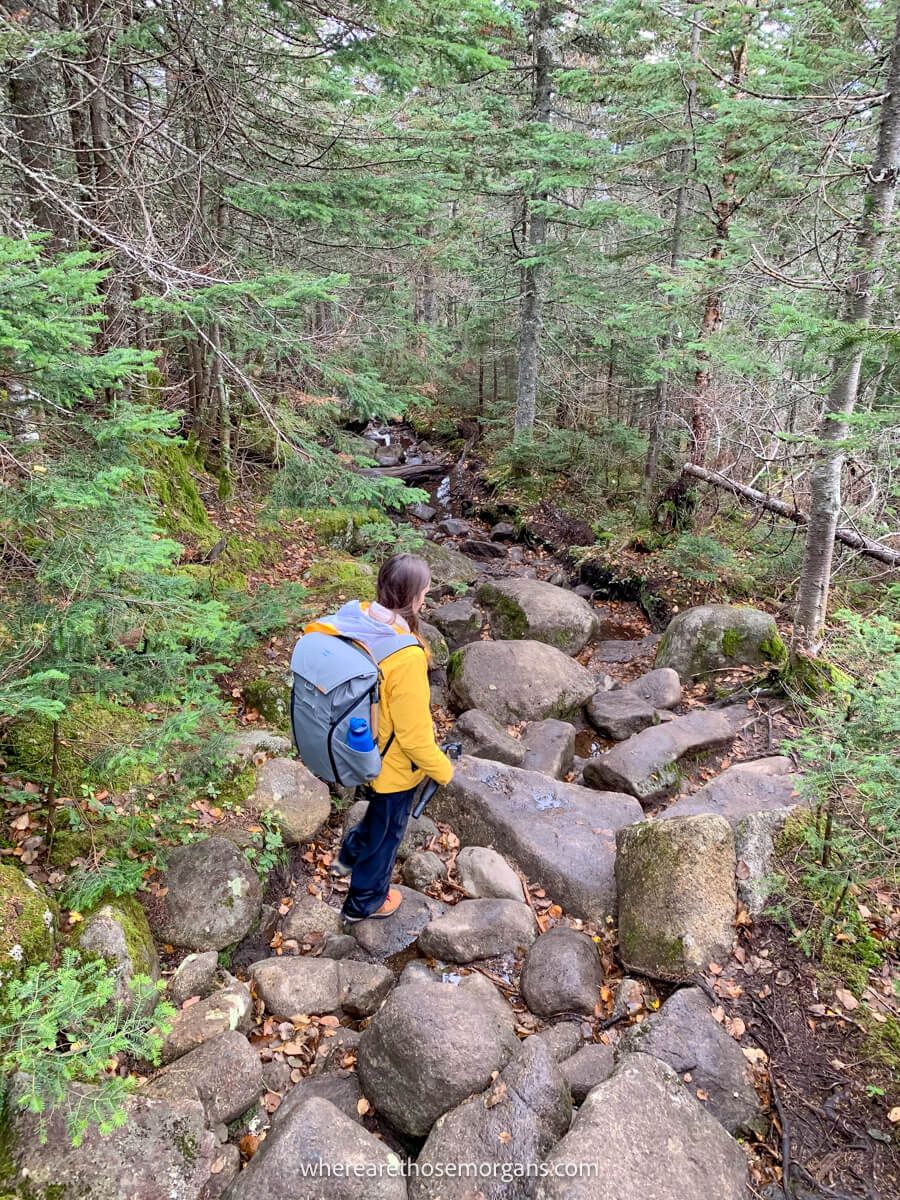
[460, 621]
[195, 977]
[684, 1035]
[384, 938]
[712, 637]
[613, 1147]
[562, 973]
[559, 834]
[479, 548]
[591, 1065]
[422, 869]
[476, 929]
[422, 512]
[224, 1075]
[320, 985]
[503, 532]
[645, 765]
[489, 675]
[118, 933]
[619, 714]
[484, 873]
[317, 1132]
[310, 914]
[529, 608]
[624, 650]
[483, 737]
[453, 527]
[426, 1049]
[677, 895]
[231, 1007]
[162, 1152]
[549, 747]
[298, 802]
[516, 1120]
[212, 898]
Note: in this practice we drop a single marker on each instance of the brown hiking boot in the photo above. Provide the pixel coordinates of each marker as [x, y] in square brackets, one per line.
[388, 908]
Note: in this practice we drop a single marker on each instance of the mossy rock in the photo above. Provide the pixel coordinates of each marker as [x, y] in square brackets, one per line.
[271, 699]
[117, 931]
[339, 527]
[169, 476]
[91, 732]
[69, 844]
[28, 923]
[449, 568]
[335, 578]
[438, 650]
[716, 637]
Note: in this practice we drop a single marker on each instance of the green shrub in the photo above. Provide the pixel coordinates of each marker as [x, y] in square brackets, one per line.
[61, 1025]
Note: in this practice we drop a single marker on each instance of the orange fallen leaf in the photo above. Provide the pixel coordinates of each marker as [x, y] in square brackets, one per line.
[363, 1106]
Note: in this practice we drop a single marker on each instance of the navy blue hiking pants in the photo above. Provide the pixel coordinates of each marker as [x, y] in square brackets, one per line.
[370, 848]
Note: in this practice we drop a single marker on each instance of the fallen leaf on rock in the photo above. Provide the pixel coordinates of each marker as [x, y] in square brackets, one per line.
[718, 1013]
[701, 1095]
[715, 969]
[218, 1165]
[270, 1101]
[295, 1047]
[496, 1096]
[894, 1115]
[754, 1054]
[504, 1136]
[248, 1145]
[736, 1027]
[363, 1106]
[191, 1000]
[846, 999]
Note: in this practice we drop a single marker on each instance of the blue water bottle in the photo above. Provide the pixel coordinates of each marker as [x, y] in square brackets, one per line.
[359, 736]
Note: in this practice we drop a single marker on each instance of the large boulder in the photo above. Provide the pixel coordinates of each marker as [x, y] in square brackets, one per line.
[646, 765]
[224, 1074]
[562, 973]
[298, 803]
[529, 608]
[318, 1151]
[118, 933]
[516, 1121]
[212, 896]
[491, 675]
[483, 737]
[427, 1048]
[660, 687]
[476, 929]
[460, 621]
[642, 1136]
[438, 650]
[163, 1151]
[713, 637]
[559, 834]
[320, 985]
[310, 915]
[27, 923]
[484, 873]
[620, 713]
[684, 1035]
[450, 570]
[231, 1007]
[549, 747]
[677, 895]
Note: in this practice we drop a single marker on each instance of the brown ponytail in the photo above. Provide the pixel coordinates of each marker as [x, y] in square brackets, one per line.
[401, 578]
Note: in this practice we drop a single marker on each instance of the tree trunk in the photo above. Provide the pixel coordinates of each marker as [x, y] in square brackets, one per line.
[723, 209]
[825, 480]
[532, 281]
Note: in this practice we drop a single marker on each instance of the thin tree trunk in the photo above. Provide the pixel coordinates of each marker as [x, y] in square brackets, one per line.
[533, 273]
[661, 398]
[825, 480]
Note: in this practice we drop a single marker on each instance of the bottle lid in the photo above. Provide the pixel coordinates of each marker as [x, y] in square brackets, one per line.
[358, 725]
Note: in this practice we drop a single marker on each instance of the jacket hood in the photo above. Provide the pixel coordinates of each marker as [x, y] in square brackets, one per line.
[352, 621]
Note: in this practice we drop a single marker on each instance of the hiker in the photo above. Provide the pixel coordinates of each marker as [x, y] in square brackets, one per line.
[404, 731]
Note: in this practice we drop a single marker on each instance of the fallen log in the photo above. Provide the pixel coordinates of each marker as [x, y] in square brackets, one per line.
[848, 537]
[425, 470]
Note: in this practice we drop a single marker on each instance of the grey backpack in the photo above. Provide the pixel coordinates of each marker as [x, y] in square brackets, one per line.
[335, 680]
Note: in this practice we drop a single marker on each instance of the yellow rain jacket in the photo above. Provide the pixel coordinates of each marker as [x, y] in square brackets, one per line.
[405, 704]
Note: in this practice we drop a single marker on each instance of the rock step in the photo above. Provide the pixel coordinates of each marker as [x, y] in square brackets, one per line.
[559, 834]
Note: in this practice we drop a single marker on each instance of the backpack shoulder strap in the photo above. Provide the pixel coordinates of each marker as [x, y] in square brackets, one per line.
[400, 642]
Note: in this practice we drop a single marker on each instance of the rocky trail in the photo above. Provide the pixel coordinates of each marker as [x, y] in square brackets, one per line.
[572, 996]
